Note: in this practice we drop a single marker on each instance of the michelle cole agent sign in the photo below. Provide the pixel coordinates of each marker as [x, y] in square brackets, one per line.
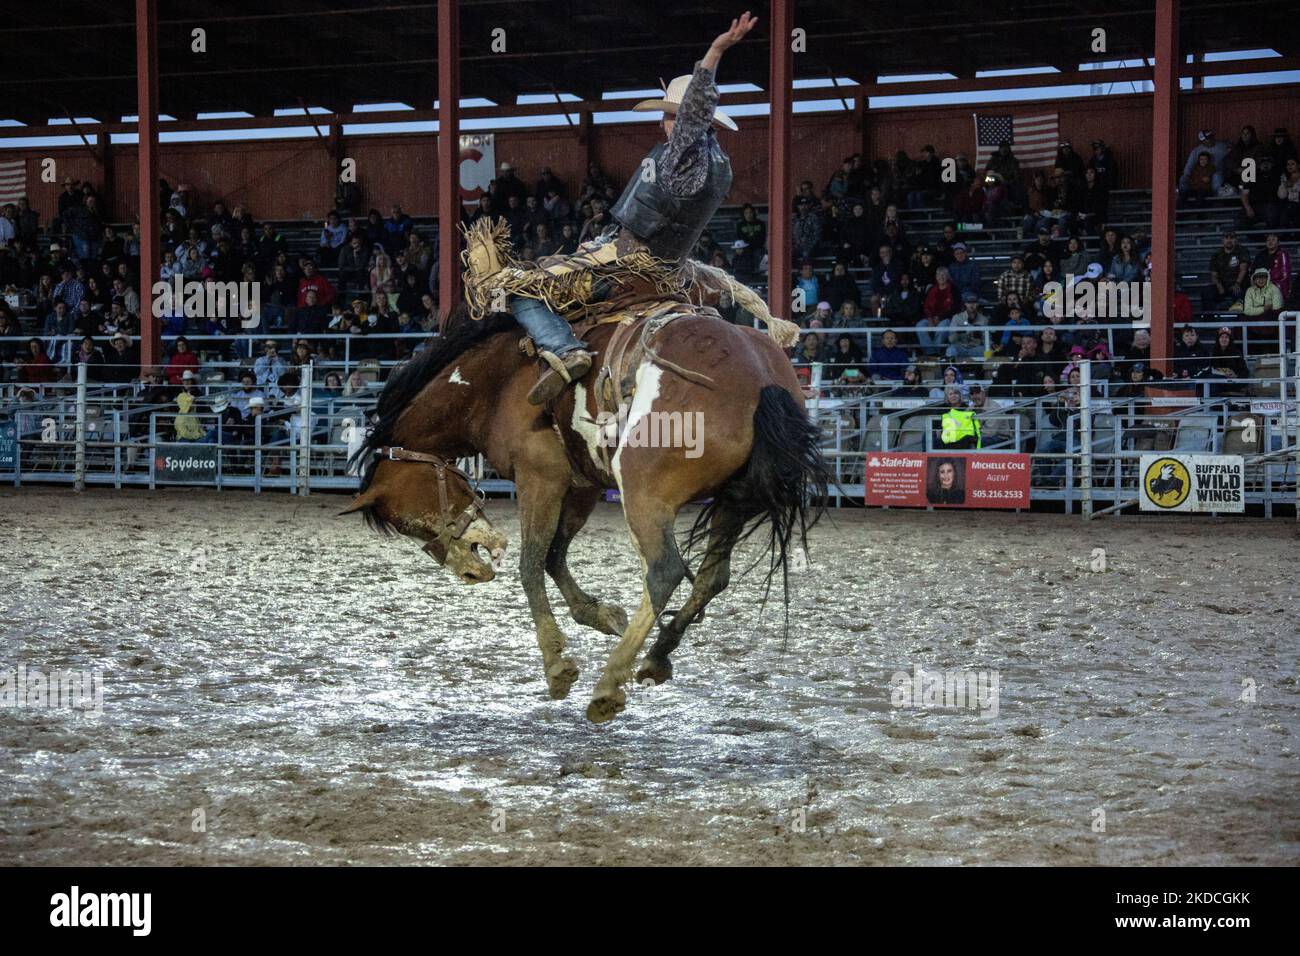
[947, 480]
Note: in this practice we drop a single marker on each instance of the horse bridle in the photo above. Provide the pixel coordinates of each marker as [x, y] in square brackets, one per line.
[451, 526]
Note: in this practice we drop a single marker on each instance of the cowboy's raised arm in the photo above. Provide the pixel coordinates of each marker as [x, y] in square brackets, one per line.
[694, 115]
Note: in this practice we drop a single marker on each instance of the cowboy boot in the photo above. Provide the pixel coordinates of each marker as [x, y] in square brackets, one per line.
[566, 359]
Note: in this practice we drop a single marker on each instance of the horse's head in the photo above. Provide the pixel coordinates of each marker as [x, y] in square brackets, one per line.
[430, 499]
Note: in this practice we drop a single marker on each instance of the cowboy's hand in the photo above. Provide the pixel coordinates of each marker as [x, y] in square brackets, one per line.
[736, 33]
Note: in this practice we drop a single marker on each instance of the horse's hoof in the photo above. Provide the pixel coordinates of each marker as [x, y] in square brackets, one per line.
[660, 672]
[560, 677]
[611, 619]
[606, 707]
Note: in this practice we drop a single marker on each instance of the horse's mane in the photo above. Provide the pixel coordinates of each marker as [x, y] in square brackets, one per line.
[407, 381]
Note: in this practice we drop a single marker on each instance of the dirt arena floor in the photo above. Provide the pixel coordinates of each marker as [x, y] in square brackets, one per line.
[282, 686]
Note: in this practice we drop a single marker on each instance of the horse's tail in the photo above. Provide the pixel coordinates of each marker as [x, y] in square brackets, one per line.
[783, 486]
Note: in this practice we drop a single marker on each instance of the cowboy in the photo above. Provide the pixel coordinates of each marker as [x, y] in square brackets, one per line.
[665, 206]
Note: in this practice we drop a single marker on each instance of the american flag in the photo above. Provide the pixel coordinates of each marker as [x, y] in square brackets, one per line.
[1033, 138]
[13, 180]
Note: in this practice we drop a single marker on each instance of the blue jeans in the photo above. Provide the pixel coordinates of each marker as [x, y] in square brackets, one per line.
[549, 332]
[931, 337]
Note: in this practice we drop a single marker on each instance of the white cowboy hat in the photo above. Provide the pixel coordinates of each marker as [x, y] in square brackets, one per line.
[672, 98]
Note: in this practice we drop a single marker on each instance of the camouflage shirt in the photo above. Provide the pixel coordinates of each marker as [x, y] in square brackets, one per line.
[685, 163]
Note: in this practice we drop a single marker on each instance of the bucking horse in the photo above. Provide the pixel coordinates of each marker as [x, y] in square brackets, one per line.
[659, 360]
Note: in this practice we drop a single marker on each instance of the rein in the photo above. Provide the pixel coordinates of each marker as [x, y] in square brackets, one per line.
[451, 526]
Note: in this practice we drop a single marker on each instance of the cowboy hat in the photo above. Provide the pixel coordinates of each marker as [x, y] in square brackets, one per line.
[672, 98]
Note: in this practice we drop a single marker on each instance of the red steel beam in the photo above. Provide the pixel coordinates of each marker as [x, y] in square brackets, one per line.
[449, 203]
[781, 88]
[146, 69]
[1164, 180]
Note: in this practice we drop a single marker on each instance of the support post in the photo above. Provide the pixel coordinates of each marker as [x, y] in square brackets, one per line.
[146, 76]
[1085, 436]
[79, 483]
[449, 203]
[781, 94]
[1164, 179]
[304, 431]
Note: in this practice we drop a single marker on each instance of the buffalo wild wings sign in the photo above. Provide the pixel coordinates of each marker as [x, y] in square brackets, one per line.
[1193, 483]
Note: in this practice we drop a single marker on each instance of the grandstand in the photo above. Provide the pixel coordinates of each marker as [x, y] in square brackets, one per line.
[99, 437]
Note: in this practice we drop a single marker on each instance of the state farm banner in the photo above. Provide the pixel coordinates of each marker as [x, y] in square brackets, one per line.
[478, 165]
[947, 479]
[185, 463]
[1172, 482]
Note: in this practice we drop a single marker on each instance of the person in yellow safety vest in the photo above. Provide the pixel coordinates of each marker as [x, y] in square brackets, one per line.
[959, 427]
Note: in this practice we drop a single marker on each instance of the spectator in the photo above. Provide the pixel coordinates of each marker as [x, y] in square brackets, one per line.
[1093, 203]
[1125, 266]
[1075, 260]
[1022, 377]
[354, 266]
[963, 272]
[37, 368]
[269, 366]
[1004, 163]
[886, 270]
[1218, 153]
[549, 183]
[1191, 357]
[846, 365]
[1201, 180]
[398, 226]
[926, 180]
[508, 184]
[1102, 163]
[958, 426]
[122, 362]
[1263, 300]
[333, 235]
[1246, 151]
[1137, 353]
[964, 338]
[752, 229]
[903, 305]
[1286, 211]
[1277, 261]
[1016, 280]
[1227, 361]
[889, 361]
[811, 350]
[806, 283]
[1227, 275]
[183, 360]
[807, 231]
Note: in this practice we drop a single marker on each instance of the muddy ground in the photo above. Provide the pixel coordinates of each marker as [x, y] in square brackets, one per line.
[283, 686]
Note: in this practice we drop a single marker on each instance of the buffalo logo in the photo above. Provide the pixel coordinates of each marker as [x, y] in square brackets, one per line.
[1167, 482]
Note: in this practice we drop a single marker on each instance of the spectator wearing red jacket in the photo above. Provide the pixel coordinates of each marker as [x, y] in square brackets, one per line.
[182, 361]
[313, 281]
[941, 301]
[37, 369]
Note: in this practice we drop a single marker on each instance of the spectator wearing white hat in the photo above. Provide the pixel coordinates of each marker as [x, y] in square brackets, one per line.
[507, 185]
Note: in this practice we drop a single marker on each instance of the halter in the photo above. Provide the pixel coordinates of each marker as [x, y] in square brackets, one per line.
[451, 526]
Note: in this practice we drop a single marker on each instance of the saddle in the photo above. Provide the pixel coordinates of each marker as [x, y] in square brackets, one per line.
[636, 325]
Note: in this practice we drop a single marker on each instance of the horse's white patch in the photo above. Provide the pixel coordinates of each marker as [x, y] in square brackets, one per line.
[583, 425]
[455, 378]
[648, 376]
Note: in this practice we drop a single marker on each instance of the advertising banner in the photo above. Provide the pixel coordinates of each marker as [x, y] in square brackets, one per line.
[1202, 483]
[185, 463]
[947, 479]
[478, 165]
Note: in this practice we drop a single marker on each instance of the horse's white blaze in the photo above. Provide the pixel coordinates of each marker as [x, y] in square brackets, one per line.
[583, 425]
[648, 376]
[455, 378]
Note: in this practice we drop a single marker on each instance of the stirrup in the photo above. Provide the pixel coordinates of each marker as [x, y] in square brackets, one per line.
[563, 370]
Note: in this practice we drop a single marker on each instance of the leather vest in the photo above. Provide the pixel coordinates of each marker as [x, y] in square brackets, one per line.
[669, 225]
